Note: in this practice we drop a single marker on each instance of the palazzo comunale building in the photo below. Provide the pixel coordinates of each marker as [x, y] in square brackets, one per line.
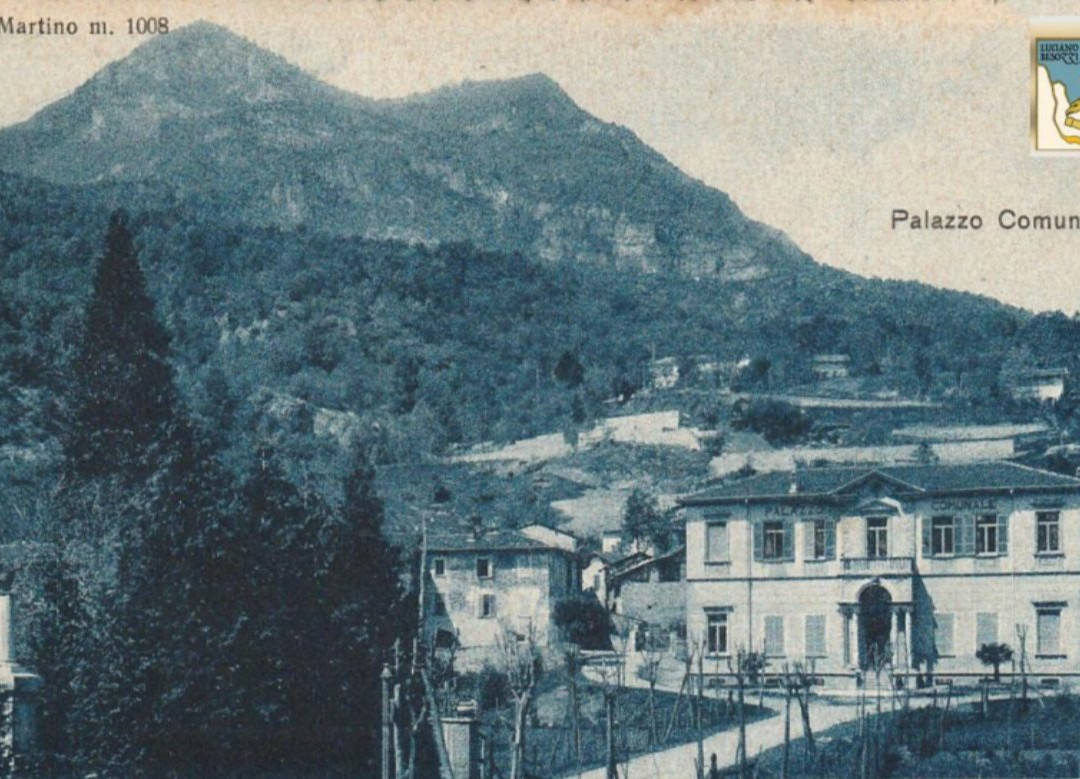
[918, 565]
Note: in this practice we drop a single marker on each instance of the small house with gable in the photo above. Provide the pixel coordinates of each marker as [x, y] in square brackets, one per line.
[483, 583]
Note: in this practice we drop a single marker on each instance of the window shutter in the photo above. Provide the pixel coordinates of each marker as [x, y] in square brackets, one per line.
[926, 525]
[789, 540]
[815, 635]
[943, 634]
[830, 540]
[1003, 534]
[808, 539]
[986, 628]
[965, 535]
[759, 540]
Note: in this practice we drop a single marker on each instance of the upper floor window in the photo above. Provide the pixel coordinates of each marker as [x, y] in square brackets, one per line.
[773, 547]
[988, 534]
[1047, 532]
[820, 539]
[483, 568]
[877, 537]
[716, 542]
[774, 540]
[438, 566]
[942, 533]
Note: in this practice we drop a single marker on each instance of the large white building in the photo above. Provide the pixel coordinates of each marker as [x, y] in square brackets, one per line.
[921, 564]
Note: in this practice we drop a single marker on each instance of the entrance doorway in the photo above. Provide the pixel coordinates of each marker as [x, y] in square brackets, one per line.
[875, 624]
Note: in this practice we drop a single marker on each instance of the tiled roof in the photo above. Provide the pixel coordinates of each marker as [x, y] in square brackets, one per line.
[908, 479]
[488, 541]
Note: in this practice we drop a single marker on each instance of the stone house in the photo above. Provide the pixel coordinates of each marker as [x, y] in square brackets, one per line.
[483, 583]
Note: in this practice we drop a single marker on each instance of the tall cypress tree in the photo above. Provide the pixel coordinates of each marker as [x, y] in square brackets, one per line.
[124, 401]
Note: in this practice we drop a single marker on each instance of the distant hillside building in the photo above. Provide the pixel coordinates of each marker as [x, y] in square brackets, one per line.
[1042, 384]
[831, 366]
[664, 373]
[921, 564]
[483, 583]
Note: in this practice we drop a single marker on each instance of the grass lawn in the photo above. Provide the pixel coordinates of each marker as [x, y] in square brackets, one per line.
[549, 740]
[1041, 740]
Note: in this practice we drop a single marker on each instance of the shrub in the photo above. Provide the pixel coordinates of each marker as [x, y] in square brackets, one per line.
[584, 621]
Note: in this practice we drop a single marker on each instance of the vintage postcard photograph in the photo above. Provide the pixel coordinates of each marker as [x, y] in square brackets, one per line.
[610, 389]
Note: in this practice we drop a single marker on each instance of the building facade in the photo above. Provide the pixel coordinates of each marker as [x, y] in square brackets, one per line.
[915, 565]
[484, 583]
[1041, 384]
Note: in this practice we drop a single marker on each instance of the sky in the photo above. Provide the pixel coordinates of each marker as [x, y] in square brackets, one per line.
[818, 118]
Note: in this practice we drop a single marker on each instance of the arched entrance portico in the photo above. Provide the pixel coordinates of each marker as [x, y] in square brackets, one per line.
[875, 625]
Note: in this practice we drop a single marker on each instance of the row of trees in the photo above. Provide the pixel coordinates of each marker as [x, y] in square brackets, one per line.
[191, 621]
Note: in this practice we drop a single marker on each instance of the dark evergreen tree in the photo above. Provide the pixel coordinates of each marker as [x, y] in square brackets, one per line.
[644, 522]
[123, 400]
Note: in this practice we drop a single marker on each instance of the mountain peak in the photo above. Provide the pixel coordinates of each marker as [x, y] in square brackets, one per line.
[200, 66]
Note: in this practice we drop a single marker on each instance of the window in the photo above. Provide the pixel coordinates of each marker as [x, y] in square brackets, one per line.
[1048, 631]
[815, 635]
[877, 538]
[483, 567]
[439, 606]
[986, 535]
[1048, 538]
[986, 629]
[943, 634]
[941, 536]
[438, 566]
[716, 631]
[487, 606]
[773, 548]
[774, 636]
[716, 542]
[820, 539]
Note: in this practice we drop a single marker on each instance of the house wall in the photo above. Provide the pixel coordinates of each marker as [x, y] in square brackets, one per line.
[525, 585]
[657, 603]
[1012, 586]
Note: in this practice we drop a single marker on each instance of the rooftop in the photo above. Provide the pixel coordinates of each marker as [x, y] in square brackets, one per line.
[494, 540]
[906, 479]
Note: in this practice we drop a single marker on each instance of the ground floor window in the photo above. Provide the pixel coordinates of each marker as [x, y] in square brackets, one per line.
[717, 632]
[986, 629]
[943, 634]
[487, 606]
[815, 635]
[774, 636]
[1048, 630]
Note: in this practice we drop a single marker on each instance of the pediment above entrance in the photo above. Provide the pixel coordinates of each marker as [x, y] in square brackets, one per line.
[874, 486]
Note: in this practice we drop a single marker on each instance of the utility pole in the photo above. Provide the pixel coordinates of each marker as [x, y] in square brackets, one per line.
[386, 677]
